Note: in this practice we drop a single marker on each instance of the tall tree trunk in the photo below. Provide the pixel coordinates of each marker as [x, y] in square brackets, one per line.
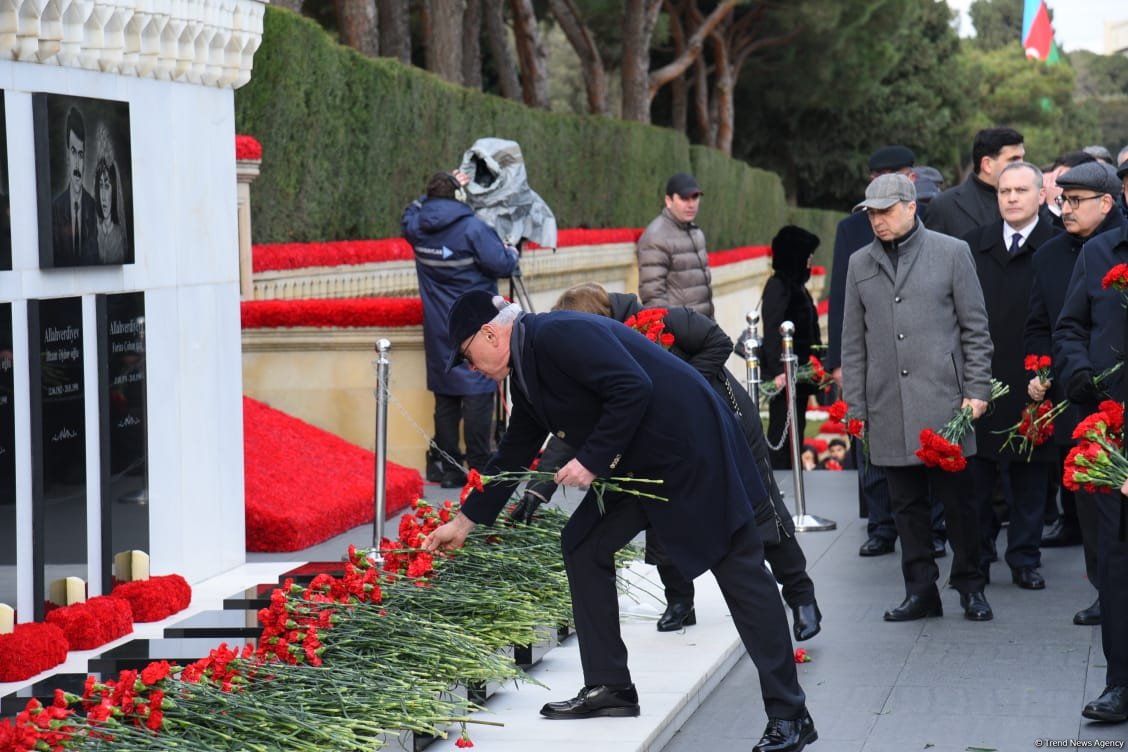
[395, 29]
[356, 22]
[442, 35]
[723, 81]
[693, 45]
[679, 94]
[531, 55]
[472, 45]
[639, 18]
[583, 42]
[493, 15]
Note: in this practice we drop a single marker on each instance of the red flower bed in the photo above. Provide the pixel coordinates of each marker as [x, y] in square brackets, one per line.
[584, 236]
[271, 257]
[155, 598]
[736, 255]
[93, 623]
[247, 147]
[305, 485]
[31, 649]
[332, 312]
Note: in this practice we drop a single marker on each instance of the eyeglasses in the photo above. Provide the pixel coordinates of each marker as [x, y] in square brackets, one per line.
[1074, 201]
[462, 354]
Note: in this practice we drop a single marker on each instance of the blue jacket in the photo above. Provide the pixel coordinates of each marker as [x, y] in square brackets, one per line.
[455, 252]
[623, 404]
[1089, 334]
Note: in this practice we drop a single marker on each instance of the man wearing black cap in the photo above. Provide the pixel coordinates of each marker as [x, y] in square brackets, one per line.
[1090, 336]
[609, 392]
[673, 265]
[959, 210]
[854, 233]
[1088, 211]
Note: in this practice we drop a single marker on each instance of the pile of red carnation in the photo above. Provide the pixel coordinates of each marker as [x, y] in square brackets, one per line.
[155, 598]
[651, 322]
[94, 622]
[1097, 463]
[30, 649]
[936, 451]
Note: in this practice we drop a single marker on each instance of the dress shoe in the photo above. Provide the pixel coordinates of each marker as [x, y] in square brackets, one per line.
[677, 615]
[787, 735]
[939, 549]
[1057, 534]
[808, 621]
[1090, 616]
[1027, 578]
[875, 547]
[595, 701]
[976, 607]
[453, 479]
[915, 607]
[1111, 706]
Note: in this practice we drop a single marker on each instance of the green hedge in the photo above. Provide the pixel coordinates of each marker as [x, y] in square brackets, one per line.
[348, 142]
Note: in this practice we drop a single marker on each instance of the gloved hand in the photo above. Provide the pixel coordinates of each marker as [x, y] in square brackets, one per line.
[524, 510]
[1081, 389]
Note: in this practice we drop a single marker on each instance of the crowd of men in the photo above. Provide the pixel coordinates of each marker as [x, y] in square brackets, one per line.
[933, 297]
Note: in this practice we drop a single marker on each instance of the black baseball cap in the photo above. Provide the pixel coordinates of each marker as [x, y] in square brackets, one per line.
[684, 185]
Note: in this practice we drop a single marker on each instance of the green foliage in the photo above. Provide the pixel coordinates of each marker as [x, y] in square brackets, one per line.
[349, 141]
[998, 23]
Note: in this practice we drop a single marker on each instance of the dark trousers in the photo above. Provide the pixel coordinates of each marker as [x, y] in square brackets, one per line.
[1026, 504]
[912, 489]
[1114, 596]
[749, 592]
[777, 420]
[874, 491]
[1098, 514]
[475, 412]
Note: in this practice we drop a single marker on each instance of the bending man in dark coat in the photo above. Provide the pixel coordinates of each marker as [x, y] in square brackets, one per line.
[623, 403]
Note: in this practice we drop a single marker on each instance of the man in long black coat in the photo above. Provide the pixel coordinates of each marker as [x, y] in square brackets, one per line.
[1003, 251]
[971, 204]
[630, 409]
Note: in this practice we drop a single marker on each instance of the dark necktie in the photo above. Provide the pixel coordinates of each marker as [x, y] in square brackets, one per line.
[1016, 243]
[76, 226]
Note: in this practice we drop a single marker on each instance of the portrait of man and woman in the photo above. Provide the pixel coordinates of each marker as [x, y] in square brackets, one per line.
[89, 222]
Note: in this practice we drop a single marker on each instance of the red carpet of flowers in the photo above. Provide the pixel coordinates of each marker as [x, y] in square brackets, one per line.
[735, 255]
[334, 312]
[272, 257]
[155, 598]
[305, 485]
[30, 649]
[93, 623]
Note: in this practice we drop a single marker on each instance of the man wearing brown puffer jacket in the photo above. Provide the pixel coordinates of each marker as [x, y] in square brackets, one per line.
[673, 267]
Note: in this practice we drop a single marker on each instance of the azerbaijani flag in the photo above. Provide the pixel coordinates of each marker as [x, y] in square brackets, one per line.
[1037, 34]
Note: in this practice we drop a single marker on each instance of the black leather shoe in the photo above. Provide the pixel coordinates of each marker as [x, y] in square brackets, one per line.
[595, 701]
[677, 615]
[787, 735]
[1028, 578]
[939, 550]
[915, 607]
[453, 479]
[808, 621]
[1111, 706]
[875, 547]
[1090, 616]
[976, 607]
[1058, 534]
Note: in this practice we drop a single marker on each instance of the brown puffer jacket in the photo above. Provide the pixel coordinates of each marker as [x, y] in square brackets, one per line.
[673, 266]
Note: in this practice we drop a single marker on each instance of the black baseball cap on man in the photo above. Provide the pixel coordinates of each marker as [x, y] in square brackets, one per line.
[470, 311]
[684, 185]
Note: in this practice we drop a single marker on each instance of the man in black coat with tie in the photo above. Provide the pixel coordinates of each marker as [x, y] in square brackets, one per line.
[971, 204]
[1003, 251]
[621, 402]
[74, 224]
[1054, 263]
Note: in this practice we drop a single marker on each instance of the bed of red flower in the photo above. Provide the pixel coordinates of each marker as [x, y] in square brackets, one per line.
[305, 485]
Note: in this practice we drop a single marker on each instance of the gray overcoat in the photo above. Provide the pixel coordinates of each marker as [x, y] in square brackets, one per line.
[915, 342]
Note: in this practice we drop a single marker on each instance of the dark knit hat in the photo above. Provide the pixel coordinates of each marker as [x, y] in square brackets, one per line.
[791, 247]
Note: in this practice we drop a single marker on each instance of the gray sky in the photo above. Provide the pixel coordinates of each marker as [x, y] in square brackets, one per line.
[1078, 24]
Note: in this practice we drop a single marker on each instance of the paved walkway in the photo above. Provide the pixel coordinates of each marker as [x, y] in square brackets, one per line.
[945, 685]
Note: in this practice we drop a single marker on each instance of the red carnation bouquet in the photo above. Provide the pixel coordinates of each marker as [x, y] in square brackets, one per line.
[1097, 463]
[942, 448]
[651, 322]
[839, 413]
[475, 481]
[1117, 279]
[811, 372]
[1033, 427]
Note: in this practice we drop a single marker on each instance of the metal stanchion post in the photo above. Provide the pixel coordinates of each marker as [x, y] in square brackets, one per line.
[803, 522]
[379, 500]
[752, 357]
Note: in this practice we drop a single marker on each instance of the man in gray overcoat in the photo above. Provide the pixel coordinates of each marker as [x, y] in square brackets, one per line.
[915, 349]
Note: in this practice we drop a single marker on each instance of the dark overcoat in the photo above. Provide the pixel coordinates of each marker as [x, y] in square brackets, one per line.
[1090, 333]
[455, 252]
[852, 234]
[630, 409]
[1053, 267]
[963, 208]
[1007, 281]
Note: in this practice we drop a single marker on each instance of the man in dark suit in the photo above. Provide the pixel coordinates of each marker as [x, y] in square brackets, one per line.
[1003, 253]
[73, 219]
[854, 233]
[971, 204]
[609, 392]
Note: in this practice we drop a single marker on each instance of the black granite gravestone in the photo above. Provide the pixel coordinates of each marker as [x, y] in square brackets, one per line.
[7, 461]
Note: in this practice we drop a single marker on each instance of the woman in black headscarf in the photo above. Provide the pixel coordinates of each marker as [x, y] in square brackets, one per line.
[785, 298]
